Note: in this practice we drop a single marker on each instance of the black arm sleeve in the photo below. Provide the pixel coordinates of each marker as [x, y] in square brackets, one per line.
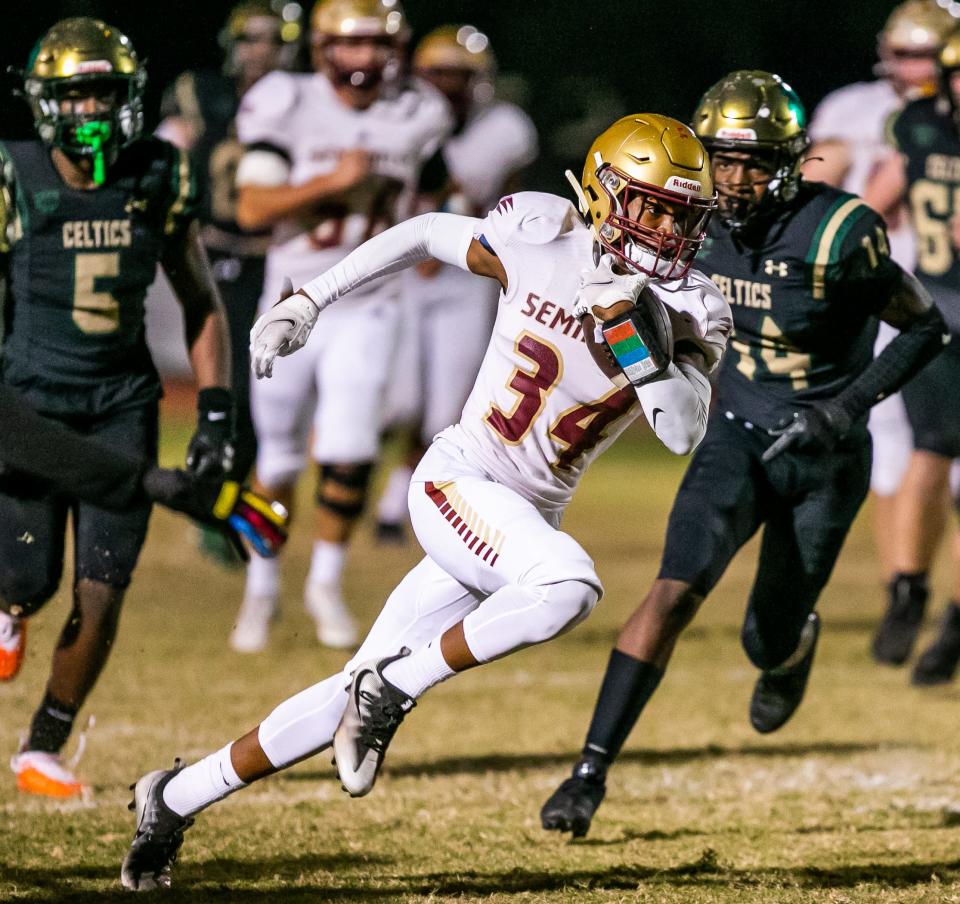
[73, 465]
[918, 343]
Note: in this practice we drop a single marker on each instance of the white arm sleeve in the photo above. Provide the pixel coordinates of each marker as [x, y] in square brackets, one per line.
[444, 236]
[676, 406]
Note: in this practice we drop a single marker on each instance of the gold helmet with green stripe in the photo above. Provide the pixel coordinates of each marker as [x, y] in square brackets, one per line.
[85, 83]
[756, 115]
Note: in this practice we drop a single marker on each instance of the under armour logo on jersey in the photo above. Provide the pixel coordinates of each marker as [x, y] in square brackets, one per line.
[778, 268]
[505, 205]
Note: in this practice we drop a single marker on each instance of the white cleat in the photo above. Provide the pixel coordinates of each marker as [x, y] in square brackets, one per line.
[375, 709]
[252, 629]
[336, 627]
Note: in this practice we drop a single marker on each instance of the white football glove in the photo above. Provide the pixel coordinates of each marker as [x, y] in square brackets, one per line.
[602, 287]
[282, 330]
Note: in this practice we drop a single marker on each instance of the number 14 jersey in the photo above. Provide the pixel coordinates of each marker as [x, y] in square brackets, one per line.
[541, 410]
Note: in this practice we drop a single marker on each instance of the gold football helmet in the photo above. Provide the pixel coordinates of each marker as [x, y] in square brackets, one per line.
[457, 60]
[908, 43]
[334, 21]
[90, 57]
[642, 162]
[757, 113]
[916, 25]
[254, 21]
[455, 47]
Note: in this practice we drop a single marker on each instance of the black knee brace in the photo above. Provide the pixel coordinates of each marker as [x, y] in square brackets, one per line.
[351, 480]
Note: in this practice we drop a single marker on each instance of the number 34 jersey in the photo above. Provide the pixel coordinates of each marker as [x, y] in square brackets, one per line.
[541, 410]
[79, 264]
[804, 292]
[299, 118]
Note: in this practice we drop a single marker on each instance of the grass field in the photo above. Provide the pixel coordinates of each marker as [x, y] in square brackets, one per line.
[850, 802]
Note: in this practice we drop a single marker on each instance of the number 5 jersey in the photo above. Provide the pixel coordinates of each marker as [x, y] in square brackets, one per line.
[78, 265]
[541, 410]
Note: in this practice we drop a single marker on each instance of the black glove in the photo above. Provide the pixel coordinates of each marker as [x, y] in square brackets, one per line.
[815, 429]
[222, 504]
[210, 452]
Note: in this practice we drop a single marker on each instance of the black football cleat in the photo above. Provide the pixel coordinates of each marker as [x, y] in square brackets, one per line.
[571, 807]
[159, 834]
[939, 662]
[897, 633]
[778, 692]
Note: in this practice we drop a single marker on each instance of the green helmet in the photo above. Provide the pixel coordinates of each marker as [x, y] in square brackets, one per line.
[754, 112]
[85, 53]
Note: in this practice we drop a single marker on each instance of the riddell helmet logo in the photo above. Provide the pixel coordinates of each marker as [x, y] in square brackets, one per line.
[86, 66]
[737, 134]
[685, 186]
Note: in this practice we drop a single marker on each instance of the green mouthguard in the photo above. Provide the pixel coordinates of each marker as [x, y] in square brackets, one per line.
[95, 134]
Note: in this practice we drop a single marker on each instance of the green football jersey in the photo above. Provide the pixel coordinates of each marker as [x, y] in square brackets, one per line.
[804, 292]
[79, 263]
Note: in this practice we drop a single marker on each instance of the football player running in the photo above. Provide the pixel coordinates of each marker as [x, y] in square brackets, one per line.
[332, 158]
[487, 498]
[447, 314]
[925, 172]
[849, 144]
[86, 214]
[199, 110]
[806, 270]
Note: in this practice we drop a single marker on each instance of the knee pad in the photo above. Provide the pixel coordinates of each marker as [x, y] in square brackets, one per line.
[566, 604]
[342, 489]
[565, 561]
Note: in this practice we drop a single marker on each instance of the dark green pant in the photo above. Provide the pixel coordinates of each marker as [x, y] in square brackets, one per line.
[805, 504]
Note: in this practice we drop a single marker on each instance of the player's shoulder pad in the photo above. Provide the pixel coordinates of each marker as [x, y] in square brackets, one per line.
[418, 99]
[515, 126]
[699, 314]
[265, 106]
[531, 218]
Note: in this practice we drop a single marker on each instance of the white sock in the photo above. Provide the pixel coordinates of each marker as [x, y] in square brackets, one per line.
[326, 564]
[263, 577]
[417, 673]
[205, 782]
[392, 508]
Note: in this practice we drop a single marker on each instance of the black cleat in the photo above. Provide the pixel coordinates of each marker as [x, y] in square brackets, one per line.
[778, 692]
[939, 662]
[159, 834]
[897, 633]
[391, 533]
[571, 807]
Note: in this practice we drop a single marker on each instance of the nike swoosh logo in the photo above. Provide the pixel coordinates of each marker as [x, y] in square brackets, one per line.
[656, 411]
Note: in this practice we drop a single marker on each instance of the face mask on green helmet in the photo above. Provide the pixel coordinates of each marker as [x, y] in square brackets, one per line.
[99, 133]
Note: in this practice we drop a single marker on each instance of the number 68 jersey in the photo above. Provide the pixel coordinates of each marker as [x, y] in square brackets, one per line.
[541, 410]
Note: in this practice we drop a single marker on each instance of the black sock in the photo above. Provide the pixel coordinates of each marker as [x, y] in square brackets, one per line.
[911, 586]
[51, 725]
[627, 686]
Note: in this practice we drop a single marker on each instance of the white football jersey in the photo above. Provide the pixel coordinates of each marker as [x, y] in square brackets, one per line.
[496, 141]
[300, 117]
[541, 409]
[857, 115]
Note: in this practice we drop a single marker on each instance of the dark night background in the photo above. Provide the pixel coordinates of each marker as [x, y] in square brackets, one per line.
[584, 63]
